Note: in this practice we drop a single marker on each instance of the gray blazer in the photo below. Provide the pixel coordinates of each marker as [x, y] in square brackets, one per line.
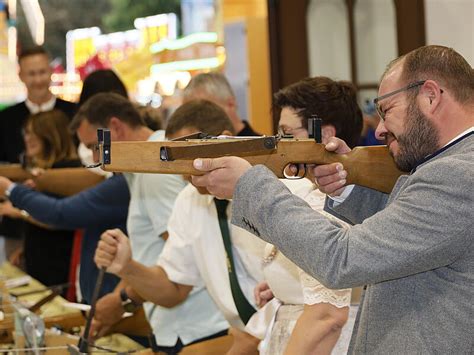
[414, 251]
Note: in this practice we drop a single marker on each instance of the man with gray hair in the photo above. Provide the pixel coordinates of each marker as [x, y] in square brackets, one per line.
[216, 88]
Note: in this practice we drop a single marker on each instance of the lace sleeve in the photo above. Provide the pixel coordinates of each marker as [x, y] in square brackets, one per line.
[314, 292]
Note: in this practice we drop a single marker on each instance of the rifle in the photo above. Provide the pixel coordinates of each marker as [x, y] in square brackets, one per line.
[55, 313]
[60, 181]
[371, 167]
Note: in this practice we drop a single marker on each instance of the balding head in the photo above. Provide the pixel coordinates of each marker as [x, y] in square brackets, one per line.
[438, 63]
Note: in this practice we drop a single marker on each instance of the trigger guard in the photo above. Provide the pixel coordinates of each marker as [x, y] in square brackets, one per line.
[296, 176]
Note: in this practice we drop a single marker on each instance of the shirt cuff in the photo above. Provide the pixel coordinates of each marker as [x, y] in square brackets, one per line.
[342, 197]
[9, 190]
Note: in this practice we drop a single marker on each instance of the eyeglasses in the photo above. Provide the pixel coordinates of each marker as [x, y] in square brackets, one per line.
[287, 131]
[383, 97]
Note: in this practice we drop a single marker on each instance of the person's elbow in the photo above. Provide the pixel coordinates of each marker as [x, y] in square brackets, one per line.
[337, 318]
[329, 317]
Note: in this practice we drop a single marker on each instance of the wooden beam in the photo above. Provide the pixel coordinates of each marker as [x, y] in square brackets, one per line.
[410, 16]
[289, 58]
[350, 4]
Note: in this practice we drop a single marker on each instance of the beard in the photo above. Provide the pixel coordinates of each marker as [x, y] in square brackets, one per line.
[419, 140]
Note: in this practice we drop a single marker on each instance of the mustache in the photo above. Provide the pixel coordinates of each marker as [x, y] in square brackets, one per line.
[388, 137]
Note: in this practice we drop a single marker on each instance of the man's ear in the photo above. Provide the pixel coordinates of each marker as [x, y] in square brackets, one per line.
[231, 103]
[430, 95]
[20, 75]
[117, 129]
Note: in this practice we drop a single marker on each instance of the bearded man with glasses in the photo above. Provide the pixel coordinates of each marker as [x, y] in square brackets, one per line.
[414, 249]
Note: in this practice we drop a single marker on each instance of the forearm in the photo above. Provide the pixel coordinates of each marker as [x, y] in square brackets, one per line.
[43, 208]
[152, 284]
[107, 200]
[317, 329]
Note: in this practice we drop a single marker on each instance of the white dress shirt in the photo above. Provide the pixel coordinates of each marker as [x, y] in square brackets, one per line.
[46, 106]
[194, 253]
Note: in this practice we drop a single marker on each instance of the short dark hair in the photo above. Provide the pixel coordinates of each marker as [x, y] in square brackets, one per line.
[441, 64]
[100, 108]
[204, 115]
[28, 52]
[152, 116]
[335, 102]
[104, 80]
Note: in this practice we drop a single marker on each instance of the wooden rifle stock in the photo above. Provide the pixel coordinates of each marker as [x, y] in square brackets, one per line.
[371, 167]
[60, 181]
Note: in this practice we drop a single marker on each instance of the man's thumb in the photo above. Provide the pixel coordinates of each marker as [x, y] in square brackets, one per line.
[205, 164]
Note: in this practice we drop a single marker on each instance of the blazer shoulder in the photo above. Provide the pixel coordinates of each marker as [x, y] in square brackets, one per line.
[455, 171]
[69, 108]
[61, 102]
[20, 106]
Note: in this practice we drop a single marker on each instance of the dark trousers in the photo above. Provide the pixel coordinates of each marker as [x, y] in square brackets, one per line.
[173, 350]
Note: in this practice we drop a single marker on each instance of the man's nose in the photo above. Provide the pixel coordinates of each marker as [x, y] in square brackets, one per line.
[37, 78]
[381, 131]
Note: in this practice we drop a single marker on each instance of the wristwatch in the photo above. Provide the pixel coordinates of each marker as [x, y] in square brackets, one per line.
[128, 304]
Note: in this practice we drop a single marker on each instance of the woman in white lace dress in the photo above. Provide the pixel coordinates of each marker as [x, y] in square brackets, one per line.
[305, 317]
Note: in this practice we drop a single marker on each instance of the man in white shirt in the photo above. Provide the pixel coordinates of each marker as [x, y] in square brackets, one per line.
[194, 254]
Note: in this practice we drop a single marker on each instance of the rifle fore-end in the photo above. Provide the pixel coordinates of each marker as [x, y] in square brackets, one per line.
[67, 181]
[60, 181]
[367, 166]
[14, 172]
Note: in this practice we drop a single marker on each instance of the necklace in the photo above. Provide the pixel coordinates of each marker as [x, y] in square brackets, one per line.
[269, 258]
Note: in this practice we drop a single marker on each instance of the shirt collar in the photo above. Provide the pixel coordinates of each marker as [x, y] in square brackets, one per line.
[157, 136]
[468, 132]
[46, 106]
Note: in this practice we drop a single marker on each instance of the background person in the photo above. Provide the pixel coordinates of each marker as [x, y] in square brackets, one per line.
[94, 210]
[102, 80]
[216, 88]
[48, 145]
[308, 317]
[35, 73]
